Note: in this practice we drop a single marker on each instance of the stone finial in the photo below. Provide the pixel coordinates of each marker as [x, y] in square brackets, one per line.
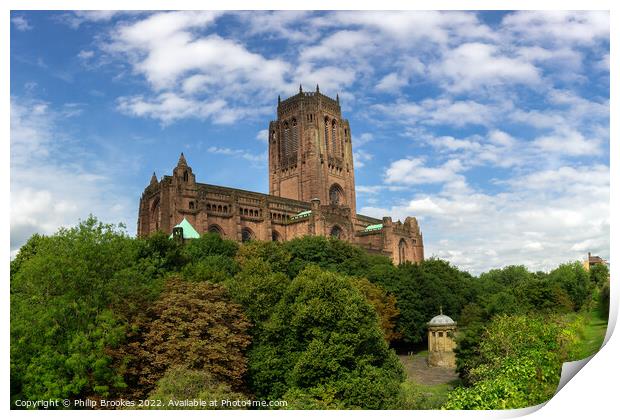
[279, 99]
[182, 161]
[154, 179]
[317, 88]
[337, 99]
[300, 89]
[440, 309]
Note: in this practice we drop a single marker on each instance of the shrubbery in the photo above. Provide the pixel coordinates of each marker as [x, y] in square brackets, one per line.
[95, 313]
[518, 363]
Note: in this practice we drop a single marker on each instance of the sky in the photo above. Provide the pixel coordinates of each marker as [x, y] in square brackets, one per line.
[492, 128]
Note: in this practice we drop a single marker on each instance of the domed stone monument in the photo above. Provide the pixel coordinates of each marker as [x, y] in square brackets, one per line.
[441, 344]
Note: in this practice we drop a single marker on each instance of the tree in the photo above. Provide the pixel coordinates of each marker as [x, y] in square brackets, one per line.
[384, 304]
[599, 274]
[194, 325]
[258, 289]
[275, 254]
[72, 297]
[574, 279]
[180, 383]
[330, 254]
[420, 290]
[324, 337]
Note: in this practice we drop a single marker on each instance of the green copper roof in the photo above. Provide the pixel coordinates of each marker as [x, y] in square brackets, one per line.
[374, 227]
[302, 214]
[188, 230]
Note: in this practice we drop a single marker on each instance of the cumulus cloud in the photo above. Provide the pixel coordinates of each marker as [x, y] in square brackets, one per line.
[47, 190]
[192, 74]
[544, 218]
[413, 171]
[21, 23]
[258, 159]
[478, 65]
[559, 27]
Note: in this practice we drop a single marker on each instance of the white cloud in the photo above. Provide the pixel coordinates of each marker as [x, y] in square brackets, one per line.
[412, 171]
[559, 27]
[543, 219]
[20, 23]
[360, 157]
[568, 142]
[259, 159]
[86, 54]
[474, 65]
[392, 82]
[193, 75]
[440, 111]
[48, 188]
[262, 135]
[169, 107]
[280, 24]
[79, 17]
[362, 139]
[338, 44]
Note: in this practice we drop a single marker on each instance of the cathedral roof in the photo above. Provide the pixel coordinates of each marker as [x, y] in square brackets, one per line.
[188, 230]
[374, 227]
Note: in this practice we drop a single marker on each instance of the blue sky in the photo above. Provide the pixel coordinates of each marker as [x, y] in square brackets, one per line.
[492, 128]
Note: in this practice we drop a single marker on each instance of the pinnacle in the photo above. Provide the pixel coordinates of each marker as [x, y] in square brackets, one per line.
[182, 161]
[154, 179]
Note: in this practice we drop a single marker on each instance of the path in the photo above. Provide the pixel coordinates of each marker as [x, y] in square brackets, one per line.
[418, 371]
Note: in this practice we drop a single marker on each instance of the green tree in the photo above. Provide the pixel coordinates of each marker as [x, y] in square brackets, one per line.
[324, 338]
[574, 279]
[180, 383]
[72, 297]
[258, 289]
[330, 254]
[599, 274]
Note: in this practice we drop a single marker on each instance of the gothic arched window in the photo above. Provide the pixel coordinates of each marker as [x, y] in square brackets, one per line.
[336, 195]
[246, 235]
[295, 143]
[285, 142]
[155, 212]
[402, 251]
[326, 135]
[216, 229]
[336, 232]
[334, 138]
[185, 176]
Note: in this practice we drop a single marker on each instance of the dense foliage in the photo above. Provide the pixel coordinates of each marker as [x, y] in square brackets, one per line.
[323, 342]
[96, 313]
[518, 364]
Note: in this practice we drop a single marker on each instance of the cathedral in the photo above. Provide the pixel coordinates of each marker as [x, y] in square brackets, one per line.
[311, 190]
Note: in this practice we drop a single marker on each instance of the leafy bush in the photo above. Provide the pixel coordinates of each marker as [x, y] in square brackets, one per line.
[72, 297]
[518, 363]
[323, 340]
[180, 383]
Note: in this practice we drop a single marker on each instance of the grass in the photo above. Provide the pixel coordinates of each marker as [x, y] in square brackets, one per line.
[591, 337]
[425, 397]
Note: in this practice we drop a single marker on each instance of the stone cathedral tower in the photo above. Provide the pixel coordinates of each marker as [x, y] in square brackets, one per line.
[310, 154]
